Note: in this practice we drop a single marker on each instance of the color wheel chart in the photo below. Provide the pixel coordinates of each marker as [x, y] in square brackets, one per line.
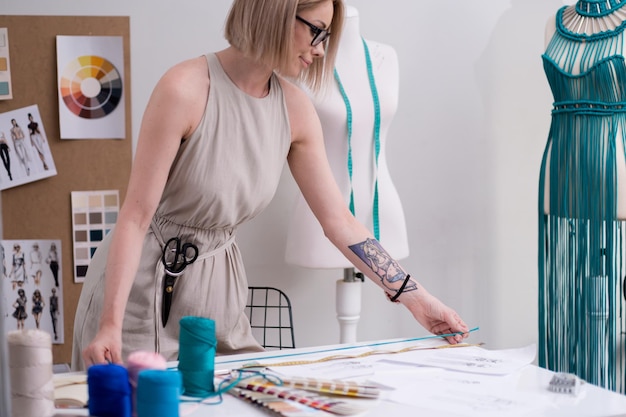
[91, 87]
[94, 213]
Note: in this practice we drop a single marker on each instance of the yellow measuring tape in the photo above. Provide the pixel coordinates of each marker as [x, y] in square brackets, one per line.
[361, 355]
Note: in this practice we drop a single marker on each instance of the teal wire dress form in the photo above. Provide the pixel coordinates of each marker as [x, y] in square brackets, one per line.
[581, 241]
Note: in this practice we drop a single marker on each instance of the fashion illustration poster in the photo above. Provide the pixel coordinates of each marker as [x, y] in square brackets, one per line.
[24, 148]
[32, 286]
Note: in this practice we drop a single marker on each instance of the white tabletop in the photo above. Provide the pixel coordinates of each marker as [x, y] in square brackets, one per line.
[523, 392]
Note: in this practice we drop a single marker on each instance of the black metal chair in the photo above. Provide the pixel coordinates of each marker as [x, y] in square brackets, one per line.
[269, 312]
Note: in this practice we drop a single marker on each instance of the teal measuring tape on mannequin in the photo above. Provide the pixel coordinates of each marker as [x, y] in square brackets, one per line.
[376, 99]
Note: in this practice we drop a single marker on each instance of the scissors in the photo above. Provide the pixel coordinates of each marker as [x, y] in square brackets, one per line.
[176, 256]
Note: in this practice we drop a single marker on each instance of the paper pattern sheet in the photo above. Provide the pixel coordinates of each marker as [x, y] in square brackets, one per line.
[472, 359]
[464, 381]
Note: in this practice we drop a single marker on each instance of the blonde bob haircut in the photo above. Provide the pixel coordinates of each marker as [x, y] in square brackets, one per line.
[264, 31]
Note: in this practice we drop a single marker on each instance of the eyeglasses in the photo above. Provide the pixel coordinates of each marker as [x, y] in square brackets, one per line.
[319, 35]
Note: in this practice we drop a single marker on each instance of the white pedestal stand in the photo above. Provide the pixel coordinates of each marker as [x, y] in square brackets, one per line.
[348, 304]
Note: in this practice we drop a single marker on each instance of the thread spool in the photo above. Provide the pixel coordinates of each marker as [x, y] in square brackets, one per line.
[137, 362]
[30, 370]
[109, 391]
[196, 355]
[158, 393]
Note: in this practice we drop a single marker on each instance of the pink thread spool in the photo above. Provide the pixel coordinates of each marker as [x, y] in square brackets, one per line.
[138, 361]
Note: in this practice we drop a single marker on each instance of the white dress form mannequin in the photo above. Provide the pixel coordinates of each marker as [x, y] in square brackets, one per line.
[306, 244]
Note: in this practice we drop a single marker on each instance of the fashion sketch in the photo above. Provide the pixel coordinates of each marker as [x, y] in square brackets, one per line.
[24, 148]
[53, 262]
[17, 135]
[54, 311]
[35, 263]
[18, 267]
[38, 304]
[20, 309]
[37, 139]
[33, 266]
[4, 154]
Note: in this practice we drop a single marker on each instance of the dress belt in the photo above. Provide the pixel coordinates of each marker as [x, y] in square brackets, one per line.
[205, 255]
[597, 107]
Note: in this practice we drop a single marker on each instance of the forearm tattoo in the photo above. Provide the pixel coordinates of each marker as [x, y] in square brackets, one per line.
[389, 271]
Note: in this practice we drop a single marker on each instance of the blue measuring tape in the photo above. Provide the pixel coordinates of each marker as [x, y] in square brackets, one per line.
[376, 99]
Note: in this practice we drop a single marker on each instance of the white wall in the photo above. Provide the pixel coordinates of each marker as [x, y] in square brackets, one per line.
[464, 152]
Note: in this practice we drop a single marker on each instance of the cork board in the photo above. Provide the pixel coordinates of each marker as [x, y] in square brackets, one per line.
[42, 209]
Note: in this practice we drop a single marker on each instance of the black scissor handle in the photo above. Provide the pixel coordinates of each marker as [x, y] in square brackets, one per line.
[177, 256]
[190, 253]
[172, 246]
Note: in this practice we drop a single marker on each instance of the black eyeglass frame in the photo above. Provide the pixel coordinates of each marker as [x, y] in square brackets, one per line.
[319, 35]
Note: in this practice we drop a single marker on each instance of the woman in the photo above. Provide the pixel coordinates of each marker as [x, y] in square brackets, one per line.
[211, 149]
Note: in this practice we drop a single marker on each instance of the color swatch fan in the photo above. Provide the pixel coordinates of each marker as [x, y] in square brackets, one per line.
[91, 87]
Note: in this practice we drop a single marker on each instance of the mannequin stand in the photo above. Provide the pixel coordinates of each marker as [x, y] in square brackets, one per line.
[348, 304]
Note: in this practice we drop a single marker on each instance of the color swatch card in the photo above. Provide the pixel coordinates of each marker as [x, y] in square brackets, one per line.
[6, 92]
[94, 213]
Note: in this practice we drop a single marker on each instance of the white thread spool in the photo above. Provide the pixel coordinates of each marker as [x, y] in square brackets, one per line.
[30, 370]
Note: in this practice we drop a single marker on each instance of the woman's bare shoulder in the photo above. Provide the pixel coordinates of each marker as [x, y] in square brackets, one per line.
[181, 94]
[299, 106]
[186, 74]
[296, 97]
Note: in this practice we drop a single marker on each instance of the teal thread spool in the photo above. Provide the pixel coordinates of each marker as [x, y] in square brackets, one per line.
[158, 393]
[196, 356]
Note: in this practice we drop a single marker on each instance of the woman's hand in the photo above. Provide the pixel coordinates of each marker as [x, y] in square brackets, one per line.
[435, 316]
[106, 347]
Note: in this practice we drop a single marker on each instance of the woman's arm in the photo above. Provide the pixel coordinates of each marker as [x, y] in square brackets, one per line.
[173, 112]
[311, 170]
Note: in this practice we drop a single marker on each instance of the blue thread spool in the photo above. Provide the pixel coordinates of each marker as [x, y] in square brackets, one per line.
[158, 393]
[109, 391]
[196, 356]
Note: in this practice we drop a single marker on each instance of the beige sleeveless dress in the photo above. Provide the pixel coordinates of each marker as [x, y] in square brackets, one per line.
[223, 175]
